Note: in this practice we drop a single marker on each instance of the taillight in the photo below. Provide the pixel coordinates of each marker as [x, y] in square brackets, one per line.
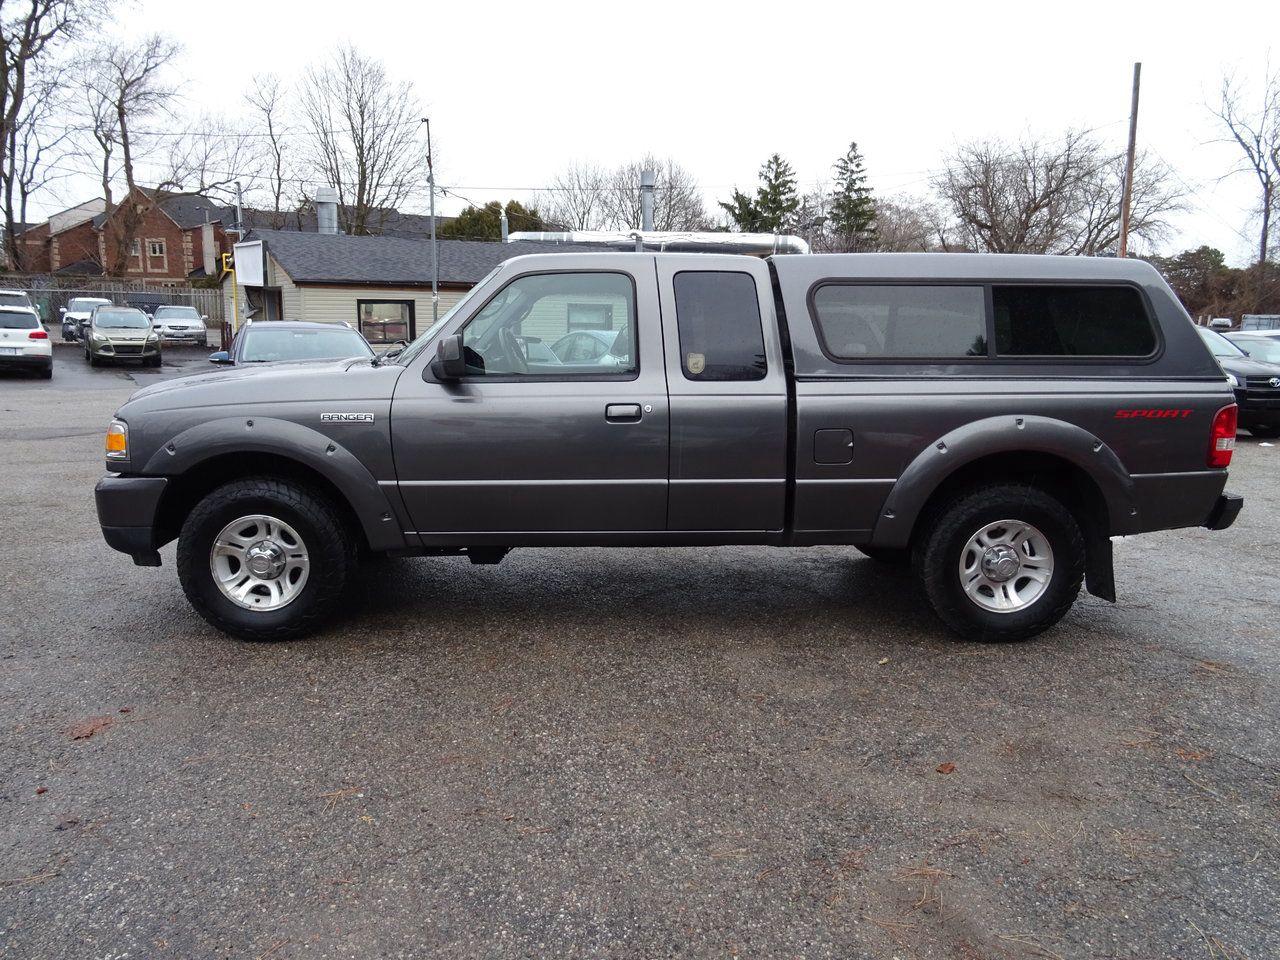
[1222, 437]
[37, 335]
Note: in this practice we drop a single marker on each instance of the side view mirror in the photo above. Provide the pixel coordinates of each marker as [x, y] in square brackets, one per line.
[449, 363]
[204, 319]
[220, 357]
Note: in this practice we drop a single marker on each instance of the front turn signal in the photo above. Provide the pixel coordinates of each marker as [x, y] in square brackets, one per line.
[118, 440]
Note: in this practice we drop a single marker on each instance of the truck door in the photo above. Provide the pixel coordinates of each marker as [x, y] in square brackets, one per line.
[728, 394]
[550, 432]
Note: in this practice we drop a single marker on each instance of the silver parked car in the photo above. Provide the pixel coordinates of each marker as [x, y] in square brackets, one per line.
[121, 333]
[182, 324]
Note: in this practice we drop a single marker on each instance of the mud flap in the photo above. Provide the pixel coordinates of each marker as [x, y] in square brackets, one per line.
[1099, 572]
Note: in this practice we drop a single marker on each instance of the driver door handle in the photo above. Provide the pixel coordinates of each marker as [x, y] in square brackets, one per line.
[622, 412]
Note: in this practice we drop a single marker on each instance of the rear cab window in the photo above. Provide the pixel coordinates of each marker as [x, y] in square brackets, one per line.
[718, 320]
[972, 322]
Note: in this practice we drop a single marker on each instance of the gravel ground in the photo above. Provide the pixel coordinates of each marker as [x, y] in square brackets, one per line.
[629, 753]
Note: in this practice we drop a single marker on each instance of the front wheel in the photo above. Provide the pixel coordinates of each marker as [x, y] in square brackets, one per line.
[1002, 563]
[265, 559]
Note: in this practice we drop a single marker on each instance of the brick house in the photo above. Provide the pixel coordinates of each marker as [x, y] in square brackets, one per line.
[179, 238]
[65, 243]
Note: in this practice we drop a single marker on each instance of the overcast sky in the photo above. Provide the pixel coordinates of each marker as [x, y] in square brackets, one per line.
[516, 91]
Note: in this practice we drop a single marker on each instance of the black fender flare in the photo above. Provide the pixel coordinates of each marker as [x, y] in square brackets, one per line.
[1004, 434]
[284, 438]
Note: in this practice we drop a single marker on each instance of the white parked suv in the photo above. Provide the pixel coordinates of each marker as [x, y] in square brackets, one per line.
[24, 344]
[181, 323]
[75, 315]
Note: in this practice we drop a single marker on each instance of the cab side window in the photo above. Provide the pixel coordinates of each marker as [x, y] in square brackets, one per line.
[557, 326]
[718, 316]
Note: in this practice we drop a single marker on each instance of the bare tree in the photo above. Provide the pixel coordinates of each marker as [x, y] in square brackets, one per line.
[907, 225]
[210, 157]
[29, 32]
[677, 198]
[1256, 131]
[576, 198]
[363, 133]
[34, 146]
[266, 97]
[129, 85]
[1040, 196]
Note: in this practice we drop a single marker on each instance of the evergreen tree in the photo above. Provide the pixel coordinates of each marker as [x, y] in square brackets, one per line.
[742, 212]
[853, 211]
[776, 198]
[483, 223]
[773, 208]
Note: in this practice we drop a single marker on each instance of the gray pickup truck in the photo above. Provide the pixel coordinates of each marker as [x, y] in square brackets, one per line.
[993, 421]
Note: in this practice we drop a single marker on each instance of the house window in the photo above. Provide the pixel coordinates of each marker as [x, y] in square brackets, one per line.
[135, 255]
[589, 316]
[385, 321]
[157, 256]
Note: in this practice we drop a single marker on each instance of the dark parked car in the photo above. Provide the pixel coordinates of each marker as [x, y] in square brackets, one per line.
[273, 341]
[1255, 382]
[995, 420]
[1260, 347]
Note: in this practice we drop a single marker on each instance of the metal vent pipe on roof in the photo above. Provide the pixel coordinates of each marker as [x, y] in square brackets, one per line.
[673, 241]
[326, 210]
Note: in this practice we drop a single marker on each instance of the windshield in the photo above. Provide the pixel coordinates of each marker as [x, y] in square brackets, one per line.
[176, 313]
[84, 304]
[1260, 348]
[14, 300]
[262, 345]
[408, 353]
[121, 318]
[17, 320]
[1219, 345]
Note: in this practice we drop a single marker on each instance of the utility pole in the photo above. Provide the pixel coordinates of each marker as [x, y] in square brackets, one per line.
[1128, 167]
[239, 211]
[435, 256]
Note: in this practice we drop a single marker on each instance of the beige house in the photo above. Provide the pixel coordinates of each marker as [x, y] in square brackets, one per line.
[379, 285]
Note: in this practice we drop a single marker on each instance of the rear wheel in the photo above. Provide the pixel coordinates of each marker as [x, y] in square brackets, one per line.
[265, 559]
[1002, 563]
[47, 373]
[1265, 431]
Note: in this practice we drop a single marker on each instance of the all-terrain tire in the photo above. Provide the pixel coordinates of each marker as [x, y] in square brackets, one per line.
[939, 551]
[331, 552]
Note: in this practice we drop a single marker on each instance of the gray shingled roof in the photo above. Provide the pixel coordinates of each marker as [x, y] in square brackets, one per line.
[187, 209]
[337, 258]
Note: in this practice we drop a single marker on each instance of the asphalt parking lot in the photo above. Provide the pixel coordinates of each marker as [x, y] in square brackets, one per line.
[629, 753]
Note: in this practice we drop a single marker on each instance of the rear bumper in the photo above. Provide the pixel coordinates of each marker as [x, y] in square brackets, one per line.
[1225, 511]
[127, 508]
[27, 361]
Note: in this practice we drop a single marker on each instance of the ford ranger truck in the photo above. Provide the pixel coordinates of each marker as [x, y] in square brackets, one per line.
[990, 422]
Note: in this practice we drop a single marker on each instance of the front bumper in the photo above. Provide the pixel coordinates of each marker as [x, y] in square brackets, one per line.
[127, 509]
[124, 351]
[1224, 511]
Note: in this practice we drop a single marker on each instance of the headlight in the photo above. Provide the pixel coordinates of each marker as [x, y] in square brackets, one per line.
[1231, 379]
[152, 336]
[96, 335]
[118, 440]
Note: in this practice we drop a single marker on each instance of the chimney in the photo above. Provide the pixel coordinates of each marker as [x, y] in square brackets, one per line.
[326, 210]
